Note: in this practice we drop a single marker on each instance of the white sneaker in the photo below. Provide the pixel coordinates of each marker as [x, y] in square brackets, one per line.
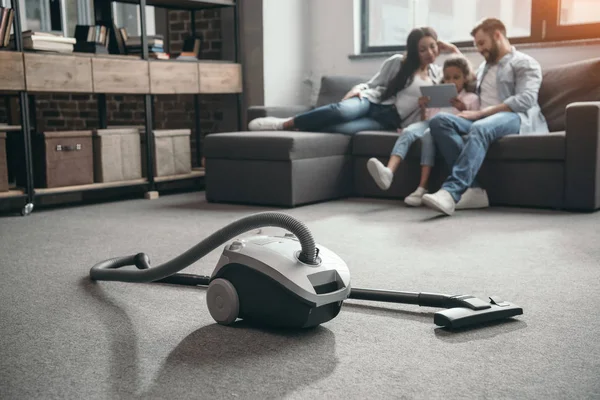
[267, 124]
[473, 198]
[440, 201]
[381, 174]
[415, 198]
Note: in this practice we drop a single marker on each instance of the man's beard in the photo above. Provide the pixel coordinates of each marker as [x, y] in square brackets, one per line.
[492, 55]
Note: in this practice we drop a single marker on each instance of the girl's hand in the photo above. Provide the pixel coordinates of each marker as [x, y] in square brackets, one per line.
[458, 104]
[423, 101]
[354, 92]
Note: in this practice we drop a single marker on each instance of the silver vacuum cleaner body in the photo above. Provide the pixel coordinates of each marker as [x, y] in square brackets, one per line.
[262, 280]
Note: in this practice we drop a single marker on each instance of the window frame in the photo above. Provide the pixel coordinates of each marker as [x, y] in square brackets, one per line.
[542, 30]
[83, 11]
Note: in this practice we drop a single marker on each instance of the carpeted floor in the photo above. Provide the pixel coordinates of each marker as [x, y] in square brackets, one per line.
[67, 338]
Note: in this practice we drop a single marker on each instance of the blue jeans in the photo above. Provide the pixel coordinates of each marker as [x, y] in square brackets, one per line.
[349, 117]
[418, 130]
[465, 157]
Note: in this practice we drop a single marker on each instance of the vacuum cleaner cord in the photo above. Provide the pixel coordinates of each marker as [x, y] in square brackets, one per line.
[107, 270]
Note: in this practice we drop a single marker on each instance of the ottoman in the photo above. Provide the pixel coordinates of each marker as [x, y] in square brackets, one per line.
[277, 168]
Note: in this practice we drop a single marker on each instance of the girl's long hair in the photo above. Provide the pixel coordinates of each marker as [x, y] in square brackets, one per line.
[464, 65]
[410, 63]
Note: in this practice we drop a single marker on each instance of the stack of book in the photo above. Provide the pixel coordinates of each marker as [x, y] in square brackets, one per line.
[6, 20]
[92, 39]
[44, 41]
[155, 43]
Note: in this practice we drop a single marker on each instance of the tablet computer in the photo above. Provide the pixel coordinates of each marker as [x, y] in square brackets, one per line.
[439, 95]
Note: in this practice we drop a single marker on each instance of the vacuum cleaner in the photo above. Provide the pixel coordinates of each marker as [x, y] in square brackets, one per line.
[287, 280]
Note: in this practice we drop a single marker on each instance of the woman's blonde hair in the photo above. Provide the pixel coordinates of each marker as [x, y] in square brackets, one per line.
[464, 65]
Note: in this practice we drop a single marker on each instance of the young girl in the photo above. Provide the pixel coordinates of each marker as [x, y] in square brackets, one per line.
[457, 70]
[388, 101]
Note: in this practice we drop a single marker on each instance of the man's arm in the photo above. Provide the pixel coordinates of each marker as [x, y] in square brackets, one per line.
[486, 112]
[528, 76]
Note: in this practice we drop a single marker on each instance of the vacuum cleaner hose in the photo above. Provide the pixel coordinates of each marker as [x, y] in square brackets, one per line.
[107, 270]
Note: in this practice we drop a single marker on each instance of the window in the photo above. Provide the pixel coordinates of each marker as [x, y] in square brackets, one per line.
[58, 16]
[387, 23]
[128, 16]
[577, 12]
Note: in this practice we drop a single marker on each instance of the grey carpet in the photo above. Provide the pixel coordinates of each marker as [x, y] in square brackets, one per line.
[65, 337]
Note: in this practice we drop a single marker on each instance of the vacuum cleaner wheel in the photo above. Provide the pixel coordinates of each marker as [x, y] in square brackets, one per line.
[223, 302]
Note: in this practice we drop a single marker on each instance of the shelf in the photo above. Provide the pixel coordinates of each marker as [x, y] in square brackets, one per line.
[219, 78]
[58, 73]
[184, 4]
[12, 193]
[117, 75]
[12, 74]
[10, 128]
[91, 186]
[173, 77]
[196, 173]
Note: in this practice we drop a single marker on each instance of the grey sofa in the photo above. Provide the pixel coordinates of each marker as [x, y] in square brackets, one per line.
[559, 170]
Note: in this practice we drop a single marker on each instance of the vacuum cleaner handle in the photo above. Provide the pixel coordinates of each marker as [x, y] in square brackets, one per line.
[105, 270]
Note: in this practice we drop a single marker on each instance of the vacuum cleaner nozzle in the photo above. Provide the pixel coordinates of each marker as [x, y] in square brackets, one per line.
[461, 317]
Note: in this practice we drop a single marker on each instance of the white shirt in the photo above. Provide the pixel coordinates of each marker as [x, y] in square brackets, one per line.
[489, 88]
[407, 101]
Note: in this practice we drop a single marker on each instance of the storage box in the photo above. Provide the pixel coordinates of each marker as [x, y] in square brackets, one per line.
[3, 164]
[63, 159]
[117, 155]
[172, 152]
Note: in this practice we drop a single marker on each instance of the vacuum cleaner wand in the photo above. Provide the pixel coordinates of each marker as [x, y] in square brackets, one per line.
[462, 310]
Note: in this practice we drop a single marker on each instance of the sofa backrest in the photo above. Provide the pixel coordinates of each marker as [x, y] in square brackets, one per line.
[564, 84]
[334, 87]
[561, 85]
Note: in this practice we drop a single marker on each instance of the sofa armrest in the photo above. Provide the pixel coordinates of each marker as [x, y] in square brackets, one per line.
[582, 156]
[277, 111]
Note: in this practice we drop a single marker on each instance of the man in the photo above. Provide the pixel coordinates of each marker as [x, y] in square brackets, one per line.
[508, 83]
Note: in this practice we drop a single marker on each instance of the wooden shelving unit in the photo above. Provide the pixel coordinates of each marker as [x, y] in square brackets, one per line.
[26, 73]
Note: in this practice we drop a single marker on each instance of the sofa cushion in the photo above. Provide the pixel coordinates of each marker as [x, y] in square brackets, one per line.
[564, 84]
[275, 145]
[376, 143]
[548, 146]
[544, 146]
[333, 88]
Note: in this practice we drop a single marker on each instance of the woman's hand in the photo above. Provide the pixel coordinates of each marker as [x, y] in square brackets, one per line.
[458, 104]
[449, 47]
[423, 101]
[354, 92]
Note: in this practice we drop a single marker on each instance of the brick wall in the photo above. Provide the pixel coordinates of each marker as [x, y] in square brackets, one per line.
[80, 111]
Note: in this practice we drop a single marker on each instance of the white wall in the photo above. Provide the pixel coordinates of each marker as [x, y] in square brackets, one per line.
[324, 32]
[285, 44]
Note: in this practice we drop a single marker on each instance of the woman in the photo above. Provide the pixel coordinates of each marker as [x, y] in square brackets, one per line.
[390, 100]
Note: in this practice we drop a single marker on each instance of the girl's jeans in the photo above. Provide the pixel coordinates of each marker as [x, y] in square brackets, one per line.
[418, 130]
